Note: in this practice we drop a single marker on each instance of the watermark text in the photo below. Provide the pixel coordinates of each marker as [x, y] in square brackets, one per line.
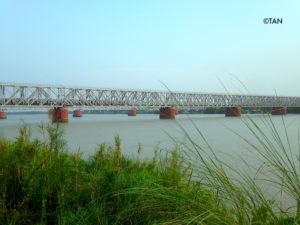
[273, 20]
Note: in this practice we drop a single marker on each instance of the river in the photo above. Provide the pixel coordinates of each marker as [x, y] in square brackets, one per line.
[86, 133]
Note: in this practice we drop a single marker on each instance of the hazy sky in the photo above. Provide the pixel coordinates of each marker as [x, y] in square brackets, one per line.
[188, 45]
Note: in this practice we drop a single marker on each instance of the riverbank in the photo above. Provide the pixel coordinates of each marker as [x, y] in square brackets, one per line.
[41, 183]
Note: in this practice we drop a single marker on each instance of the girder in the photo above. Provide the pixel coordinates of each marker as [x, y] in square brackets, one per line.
[43, 96]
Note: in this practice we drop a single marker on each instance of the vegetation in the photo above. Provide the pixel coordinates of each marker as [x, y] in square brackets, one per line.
[42, 183]
[241, 192]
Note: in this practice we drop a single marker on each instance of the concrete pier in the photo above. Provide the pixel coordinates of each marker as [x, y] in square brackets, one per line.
[2, 115]
[279, 110]
[77, 113]
[60, 115]
[233, 111]
[132, 112]
[167, 113]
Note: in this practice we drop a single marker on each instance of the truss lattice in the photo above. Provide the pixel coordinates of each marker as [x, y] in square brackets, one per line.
[45, 96]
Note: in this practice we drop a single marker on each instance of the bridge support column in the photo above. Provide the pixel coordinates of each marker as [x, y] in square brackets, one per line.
[167, 113]
[77, 113]
[50, 113]
[279, 111]
[60, 115]
[233, 111]
[2, 115]
[132, 112]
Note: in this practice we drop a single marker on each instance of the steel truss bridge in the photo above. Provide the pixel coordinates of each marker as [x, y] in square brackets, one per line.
[37, 97]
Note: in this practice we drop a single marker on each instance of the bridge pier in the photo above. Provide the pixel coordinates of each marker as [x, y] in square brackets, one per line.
[60, 115]
[132, 112]
[77, 113]
[167, 112]
[233, 111]
[279, 110]
[50, 113]
[2, 115]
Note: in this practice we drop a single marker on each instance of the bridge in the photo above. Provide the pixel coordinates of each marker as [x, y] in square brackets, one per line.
[32, 96]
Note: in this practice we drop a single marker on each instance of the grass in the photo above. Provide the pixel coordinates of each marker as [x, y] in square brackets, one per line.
[242, 192]
[281, 158]
[42, 183]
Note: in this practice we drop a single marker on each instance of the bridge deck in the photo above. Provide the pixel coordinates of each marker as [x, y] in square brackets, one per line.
[45, 96]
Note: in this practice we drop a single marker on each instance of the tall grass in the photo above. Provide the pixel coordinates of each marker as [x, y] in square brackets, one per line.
[239, 191]
[42, 183]
[274, 147]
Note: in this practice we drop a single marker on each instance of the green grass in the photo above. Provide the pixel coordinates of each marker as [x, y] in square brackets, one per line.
[42, 183]
[241, 192]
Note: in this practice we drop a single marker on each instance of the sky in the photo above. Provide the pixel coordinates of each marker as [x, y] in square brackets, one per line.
[196, 46]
